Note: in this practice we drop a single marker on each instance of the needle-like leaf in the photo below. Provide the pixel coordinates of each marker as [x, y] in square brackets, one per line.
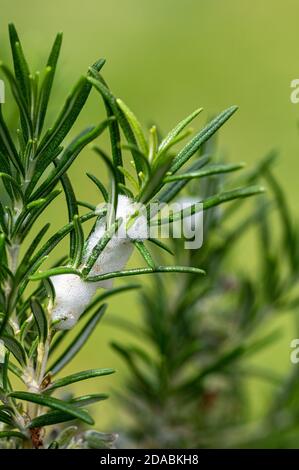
[210, 202]
[139, 271]
[208, 171]
[171, 136]
[78, 377]
[13, 345]
[135, 125]
[145, 253]
[20, 64]
[10, 434]
[54, 404]
[46, 87]
[40, 318]
[205, 134]
[79, 242]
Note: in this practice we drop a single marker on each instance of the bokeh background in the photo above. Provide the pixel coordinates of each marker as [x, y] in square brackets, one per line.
[166, 58]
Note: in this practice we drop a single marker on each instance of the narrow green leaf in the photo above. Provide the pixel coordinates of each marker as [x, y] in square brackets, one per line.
[182, 136]
[40, 318]
[200, 138]
[79, 242]
[289, 235]
[12, 434]
[50, 418]
[231, 195]
[86, 400]
[35, 203]
[208, 171]
[161, 245]
[5, 167]
[15, 186]
[72, 206]
[139, 271]
[13, 345]
[135, 125]
[123, 122]
[86, 205]
[20, 64]
[78, 377]
[210, 202]
[55, 272]
[8, 409]
[115, 139]
[168, 194]
[46, 87]
[145, 253]
[99, 185]
[125, 190]
[54, 404]
[3, 223]
[7, 146]
[20, 101]
[153, 144]
[129, 177]
[4, 367]
[50, 290]
[146, 167]
[6, 418]
[2, 246]
[177, 130]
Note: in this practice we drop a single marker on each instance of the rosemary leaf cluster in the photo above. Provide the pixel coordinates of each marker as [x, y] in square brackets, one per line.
[189, 363]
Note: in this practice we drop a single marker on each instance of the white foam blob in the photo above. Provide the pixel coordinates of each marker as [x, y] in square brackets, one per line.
[72, 293]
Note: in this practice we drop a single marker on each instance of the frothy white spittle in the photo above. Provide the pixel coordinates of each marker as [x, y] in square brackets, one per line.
[73, 295]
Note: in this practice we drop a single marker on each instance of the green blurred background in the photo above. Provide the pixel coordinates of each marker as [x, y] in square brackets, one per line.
[165, 58]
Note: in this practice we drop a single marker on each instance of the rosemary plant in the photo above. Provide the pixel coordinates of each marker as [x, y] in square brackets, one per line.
[185, 383]
[38, 308]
